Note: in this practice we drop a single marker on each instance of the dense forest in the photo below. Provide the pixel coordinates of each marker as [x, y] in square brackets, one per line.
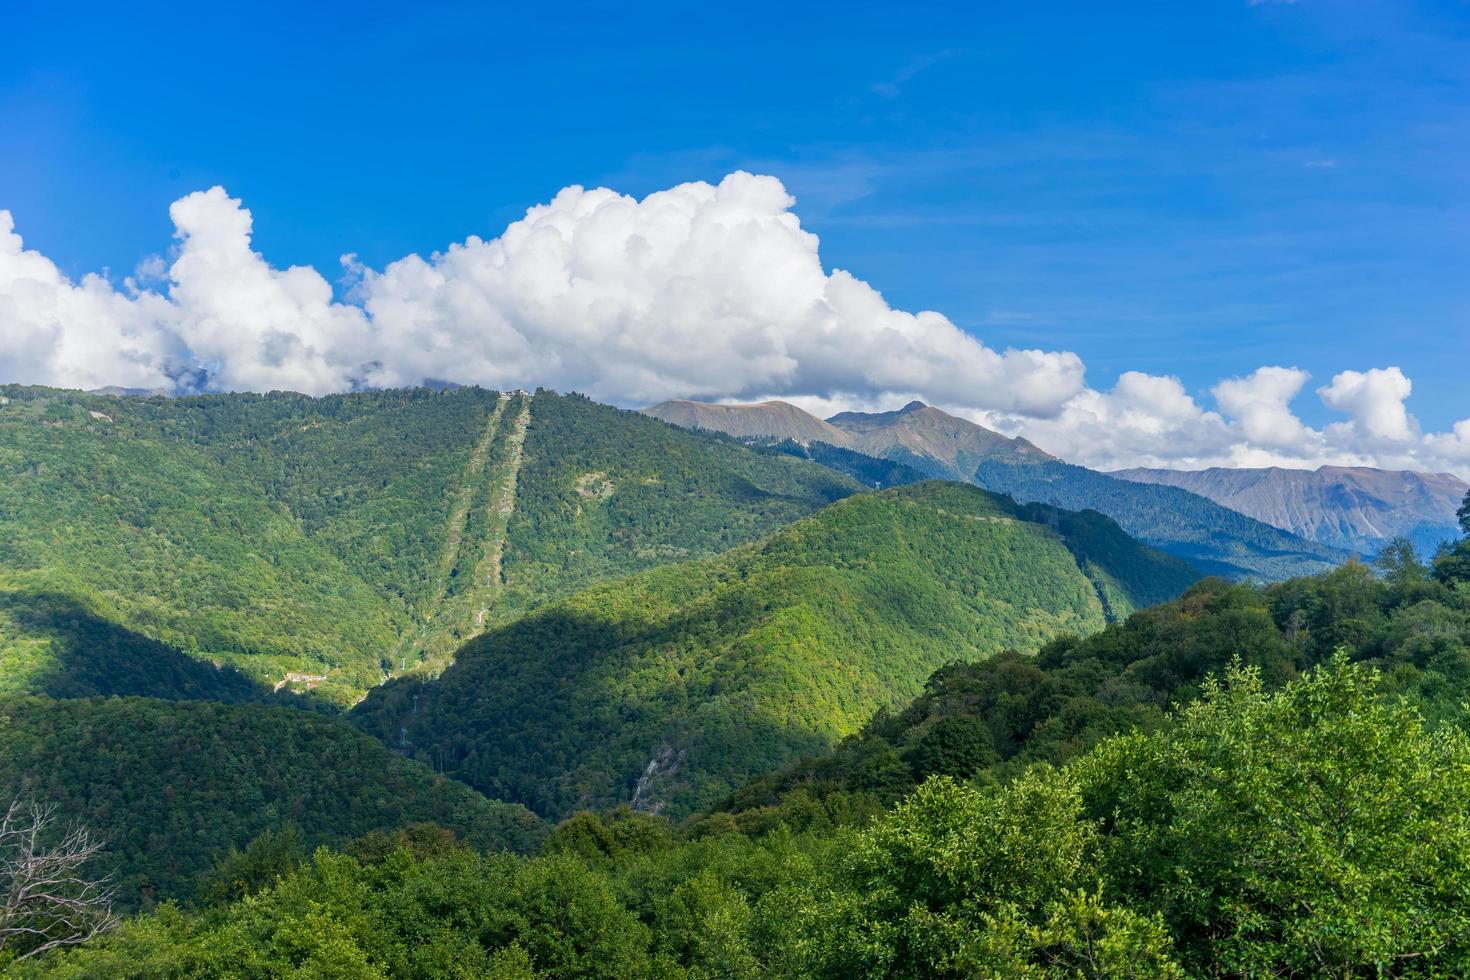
[174, 785]
[1316, 828]
[992, 719]
[788, 728]
[343, 538]
[670, 688]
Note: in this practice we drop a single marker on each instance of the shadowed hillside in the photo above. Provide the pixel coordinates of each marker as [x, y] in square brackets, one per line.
[667, 689]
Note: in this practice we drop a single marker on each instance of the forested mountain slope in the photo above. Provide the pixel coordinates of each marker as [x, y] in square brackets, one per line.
[172, 786]
[991, 719]
[1249, 781]
[668, 689]
[1357, 508]
[1315, 830]
[324, 542]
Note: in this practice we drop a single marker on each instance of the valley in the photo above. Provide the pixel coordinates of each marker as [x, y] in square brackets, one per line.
[274, 647]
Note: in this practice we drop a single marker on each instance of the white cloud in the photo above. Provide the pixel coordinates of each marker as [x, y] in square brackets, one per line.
[1147, 420]
[254, 327]
[1260, 403]
[705, 291]
[697, 290]
[85, 334]
[1375, 401]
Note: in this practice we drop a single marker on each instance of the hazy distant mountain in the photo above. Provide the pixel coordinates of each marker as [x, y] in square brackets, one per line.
[119, 392]
[937, 443]
[763, 420]
[922, 433]
[930, 442]
[1353, 507]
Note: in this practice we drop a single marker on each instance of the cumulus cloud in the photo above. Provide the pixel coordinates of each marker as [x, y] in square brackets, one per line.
[1148, 420]
[703, 290]
[1261, 405]
[83, 334]
[1375, 401]
[699, 290]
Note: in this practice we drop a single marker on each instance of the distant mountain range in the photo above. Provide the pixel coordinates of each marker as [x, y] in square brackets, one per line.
[927, 438]
[1353, 507]
[1214, 537]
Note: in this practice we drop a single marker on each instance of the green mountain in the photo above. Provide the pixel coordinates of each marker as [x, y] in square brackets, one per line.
[992, 719]
[1249, 780]
[1315, 829]
[325, 542]
[668, 689]
[936, 444]
[173, 786]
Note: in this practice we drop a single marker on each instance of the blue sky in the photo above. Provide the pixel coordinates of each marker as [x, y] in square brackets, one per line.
[1190, 189]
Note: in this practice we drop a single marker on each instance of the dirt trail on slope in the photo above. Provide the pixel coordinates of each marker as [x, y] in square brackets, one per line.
[463, 497]
[488, 575]
[415, 640]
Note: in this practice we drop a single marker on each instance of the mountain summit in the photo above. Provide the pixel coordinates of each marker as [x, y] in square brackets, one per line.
[920, 435]
[927, 441]
[923, 435]
[762, 420]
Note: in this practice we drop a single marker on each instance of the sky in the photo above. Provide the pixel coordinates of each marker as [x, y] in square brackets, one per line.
[1230, 232]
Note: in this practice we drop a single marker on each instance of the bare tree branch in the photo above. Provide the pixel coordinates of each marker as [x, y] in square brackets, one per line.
[45, 899]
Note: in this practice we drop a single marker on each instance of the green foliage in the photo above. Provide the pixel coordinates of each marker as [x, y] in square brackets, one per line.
[1128, 575]
[1317, 831]
[55, 645]
[1077, 691]
[1452, 563]
[266, 859]
[336, 538]
[671, 688]
[173, 786]
[1321, 831]
[871, 471]
[605, 493]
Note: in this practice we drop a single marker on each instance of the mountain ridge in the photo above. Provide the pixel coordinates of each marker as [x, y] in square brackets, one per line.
[1357, 508]
[773, 419]
[675, 685]
[346, 537]
[1212, 536]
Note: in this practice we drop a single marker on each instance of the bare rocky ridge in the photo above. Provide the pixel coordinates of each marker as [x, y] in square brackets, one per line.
[928, 433]
[763, 420]
[1352, 507]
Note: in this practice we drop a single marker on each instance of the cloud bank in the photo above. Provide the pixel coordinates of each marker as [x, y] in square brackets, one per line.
[703, 291]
